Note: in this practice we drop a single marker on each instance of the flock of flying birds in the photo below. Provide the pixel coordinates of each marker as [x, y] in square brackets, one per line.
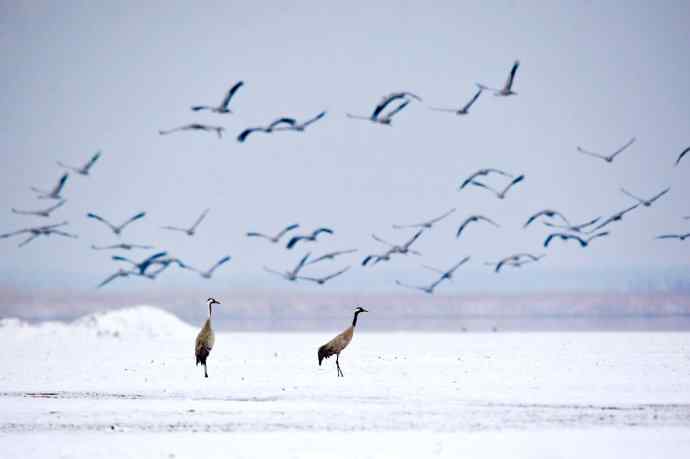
[150, 267]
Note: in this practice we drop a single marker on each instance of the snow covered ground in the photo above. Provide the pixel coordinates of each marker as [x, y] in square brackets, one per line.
[124, 384]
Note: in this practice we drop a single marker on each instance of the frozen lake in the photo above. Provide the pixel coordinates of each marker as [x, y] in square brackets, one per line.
[120, 380]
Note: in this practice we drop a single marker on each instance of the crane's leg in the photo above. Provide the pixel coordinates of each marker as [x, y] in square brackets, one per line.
[205, 371]
[337, 365]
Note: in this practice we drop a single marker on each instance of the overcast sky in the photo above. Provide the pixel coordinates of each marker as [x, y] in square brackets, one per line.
[85, 76]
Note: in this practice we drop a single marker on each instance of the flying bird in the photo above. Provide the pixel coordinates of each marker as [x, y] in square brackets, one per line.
[584, 242]
[427, 224]
[448, 274]
[403, 248]
[276, 238]
[574, 228]
[192, 229]
[340, 342]
[378, 115]
[612, 156]
[323, 280]
[207, 274]
[330, 256]
[682, 154]
[205, 339]
[55, 192]
[645, 202]
[460, 111]
[507, 89]
[545, 213]
[483, 173]
[39, 213]
[143, 265]
[429, 289]
[517, 260]
[195, 127]
[84, 170]
[117, 229]
[618, 216]
[45, 230]
[292, 274]
[119, 273]
[475, 218]
[680, 237]
[292, 124]
[223, 107]
[502, 193]
[308, 237]
[122, 246]
[373, 258]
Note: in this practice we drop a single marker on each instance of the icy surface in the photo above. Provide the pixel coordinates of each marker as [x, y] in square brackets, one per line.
[130, 375]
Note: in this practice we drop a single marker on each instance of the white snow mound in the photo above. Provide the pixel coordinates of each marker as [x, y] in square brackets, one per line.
[142, 321]
[133, 322]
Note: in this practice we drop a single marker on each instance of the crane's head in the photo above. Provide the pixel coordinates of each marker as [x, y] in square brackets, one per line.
[359, 309]
[211, 302]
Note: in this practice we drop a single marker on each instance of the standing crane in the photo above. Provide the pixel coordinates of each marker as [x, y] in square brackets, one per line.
[205, 339]
[340, 342]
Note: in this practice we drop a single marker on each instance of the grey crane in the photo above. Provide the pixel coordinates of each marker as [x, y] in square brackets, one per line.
[40, 213]
[378, 116]
[223, 107]
[500, 194]
[340, 342]
[194, 127]
[276, 238]
[322, 280]
[609, 158]
[584, 242]
[45, 230]
[208, 273]
[645, 202]
[545, 213]
[426, 224]
[143, 265]
[475, 218]
[330, 256]
[507, 89]
[192, 229]
[517, 260]
[291, 275]
[483, 173]
[618, 216]
[580, 228]
[680, 237]
[86, 168]
[55, 192]
[308, 237]
[464, 110]
[122, 246]
[205, 339]
[117, 229]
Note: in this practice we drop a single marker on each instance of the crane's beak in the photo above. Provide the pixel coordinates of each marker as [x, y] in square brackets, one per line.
[364, 310]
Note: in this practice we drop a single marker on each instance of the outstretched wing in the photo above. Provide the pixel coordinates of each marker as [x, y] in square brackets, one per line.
[100, 219]
[231, 93]
[286, 230]
[441, 217]
[254, 234]
[682, 154]
[220, 262]
[472, 101]
[660, 194]
[294, 240]
[591, 153]
[138, 216]
[289, 121]
[514, 182]
[200, 219]
[318, 231]
[60, 184]
[244, 134]
[397, 109]
[313, 120]
[92, 161]
[620, 150]
[511, 77]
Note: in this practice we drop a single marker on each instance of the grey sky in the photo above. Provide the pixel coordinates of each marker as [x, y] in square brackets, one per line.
[82, 76]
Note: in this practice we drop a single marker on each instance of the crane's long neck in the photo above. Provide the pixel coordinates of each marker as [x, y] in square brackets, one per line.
[354, 319]
[210, 310]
